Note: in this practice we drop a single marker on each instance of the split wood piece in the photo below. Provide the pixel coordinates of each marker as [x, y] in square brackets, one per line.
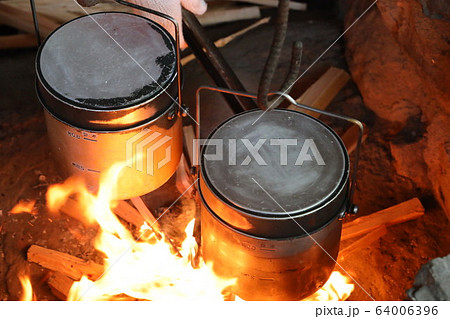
[153, 223]
[128, 213]
[350, 137]
[397, 214]
[147, 215]
[69, 265]
[188, 147]
[17, 41]
[121, 208]
[322, 92]
[22, 19]
[222, 15]
[60, 284]
[184, 178]
[300, 6]
[363, 242]
[224, 41]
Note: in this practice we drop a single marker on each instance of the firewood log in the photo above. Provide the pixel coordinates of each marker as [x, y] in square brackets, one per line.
[400, 213]
[128, 213]
[68, 265]
[363, 242]
[60, 285]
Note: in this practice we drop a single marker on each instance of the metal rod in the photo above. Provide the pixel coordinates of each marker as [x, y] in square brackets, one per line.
[274, 53]
[294, 70]
[177, 40]
[350, 206]
[214, 63]
[36, 22]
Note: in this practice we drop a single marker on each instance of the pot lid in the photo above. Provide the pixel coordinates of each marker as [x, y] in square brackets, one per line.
[107, 61]
[277, 164]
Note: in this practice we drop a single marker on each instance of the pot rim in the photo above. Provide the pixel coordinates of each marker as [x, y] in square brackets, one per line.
[240, 232]
[282, 215]
[79, 106]
[121, 130]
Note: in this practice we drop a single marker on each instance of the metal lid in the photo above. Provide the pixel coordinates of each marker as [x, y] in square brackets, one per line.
[107, 65]
[280, 165]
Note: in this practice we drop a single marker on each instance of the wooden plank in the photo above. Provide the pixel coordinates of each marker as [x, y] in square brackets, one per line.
[322, 92]
[17, 41]
[300, 6]
[22, 19]
[216, 16]
[68, 265]
[363, 242]
[409, 210]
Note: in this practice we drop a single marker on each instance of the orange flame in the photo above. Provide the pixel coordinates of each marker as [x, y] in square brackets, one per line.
[27, 289]
[338, 287]
[139, 269]
[145, 268]
[57, 195]
[24, 206]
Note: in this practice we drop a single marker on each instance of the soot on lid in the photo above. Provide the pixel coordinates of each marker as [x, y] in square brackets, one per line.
[108, 61]
[285, 163]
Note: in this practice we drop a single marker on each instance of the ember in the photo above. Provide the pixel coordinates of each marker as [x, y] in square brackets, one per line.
[24, 207]
[338, 287]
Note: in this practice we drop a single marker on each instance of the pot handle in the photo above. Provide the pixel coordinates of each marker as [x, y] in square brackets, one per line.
[177, 41]
[351, 208]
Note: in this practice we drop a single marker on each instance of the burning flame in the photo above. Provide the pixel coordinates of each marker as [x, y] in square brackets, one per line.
[146, 268]
[338, 287]
[135, 269]
[27, 290]
[24, 206]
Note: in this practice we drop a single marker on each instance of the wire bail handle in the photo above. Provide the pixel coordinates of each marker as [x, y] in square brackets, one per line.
[350, 207]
